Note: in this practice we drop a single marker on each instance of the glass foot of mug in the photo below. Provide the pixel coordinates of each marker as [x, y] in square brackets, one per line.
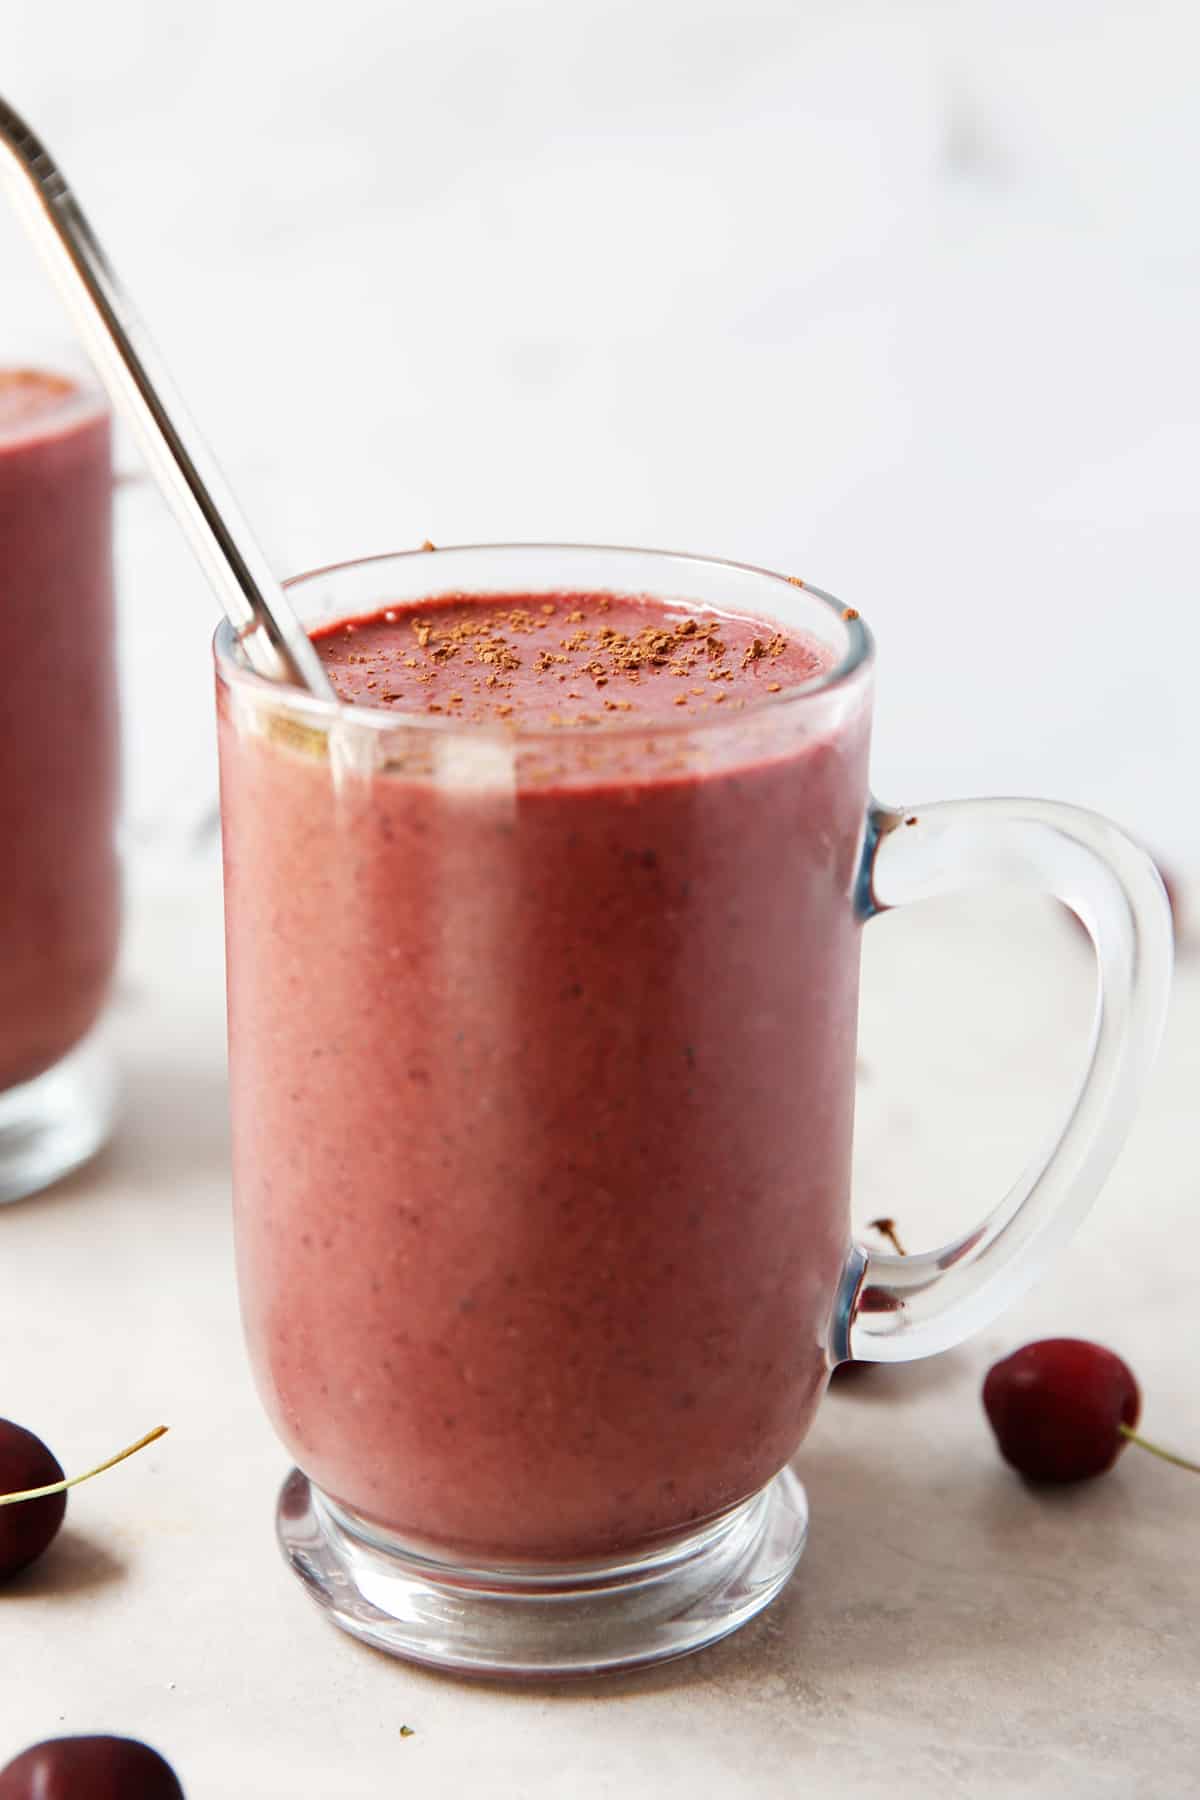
[543, 1621]
[51, 1125]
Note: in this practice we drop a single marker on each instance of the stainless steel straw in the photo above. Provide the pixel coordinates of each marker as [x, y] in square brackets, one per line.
[274, 641]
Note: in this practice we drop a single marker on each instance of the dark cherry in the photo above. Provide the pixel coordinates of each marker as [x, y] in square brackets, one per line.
[26, 1529]
[1061, 1408]
[89, 1768]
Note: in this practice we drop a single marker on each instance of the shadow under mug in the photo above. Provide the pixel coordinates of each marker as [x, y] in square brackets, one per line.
[542, 1053]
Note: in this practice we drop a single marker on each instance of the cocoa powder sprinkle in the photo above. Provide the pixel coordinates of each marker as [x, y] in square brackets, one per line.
[687, 648]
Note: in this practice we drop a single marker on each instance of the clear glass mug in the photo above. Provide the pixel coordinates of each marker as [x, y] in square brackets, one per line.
[59, 776]
[542, 1055]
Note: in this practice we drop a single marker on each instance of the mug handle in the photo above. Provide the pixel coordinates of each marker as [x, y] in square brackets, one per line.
[897, 1308]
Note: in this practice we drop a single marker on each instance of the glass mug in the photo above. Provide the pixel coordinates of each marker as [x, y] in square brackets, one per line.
[60, 898]
[542, 1056]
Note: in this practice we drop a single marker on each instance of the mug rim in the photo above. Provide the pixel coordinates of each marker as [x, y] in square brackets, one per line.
[80, 400]
[855, 660]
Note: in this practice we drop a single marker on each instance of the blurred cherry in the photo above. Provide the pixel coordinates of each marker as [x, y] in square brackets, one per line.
[27, 1529]
[30, 1518]
[89, 1768]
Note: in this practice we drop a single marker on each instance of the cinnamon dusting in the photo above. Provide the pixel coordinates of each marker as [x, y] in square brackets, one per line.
[480, 635]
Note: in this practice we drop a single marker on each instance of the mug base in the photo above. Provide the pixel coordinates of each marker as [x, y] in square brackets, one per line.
[57, 1122]
[543, 1621]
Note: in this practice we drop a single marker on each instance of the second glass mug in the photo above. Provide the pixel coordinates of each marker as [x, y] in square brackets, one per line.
[542, 1056]
[60, 899]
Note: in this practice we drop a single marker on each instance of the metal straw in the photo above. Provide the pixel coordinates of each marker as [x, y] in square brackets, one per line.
[271, 635]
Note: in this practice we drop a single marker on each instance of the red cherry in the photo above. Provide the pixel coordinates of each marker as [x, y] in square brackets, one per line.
[89, 1768]
[26, 1530]
[1057, 1408]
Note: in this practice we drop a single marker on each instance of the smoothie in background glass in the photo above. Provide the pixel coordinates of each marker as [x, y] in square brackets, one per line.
[59, 899]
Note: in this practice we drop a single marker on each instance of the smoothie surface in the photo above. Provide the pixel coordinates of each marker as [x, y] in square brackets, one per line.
[550, 660]
[31, 396]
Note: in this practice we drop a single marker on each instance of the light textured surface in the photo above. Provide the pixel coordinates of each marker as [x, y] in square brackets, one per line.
[949, 1631]
[900, 298]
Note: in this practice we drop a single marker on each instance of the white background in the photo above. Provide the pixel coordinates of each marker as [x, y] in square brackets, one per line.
[898, 297]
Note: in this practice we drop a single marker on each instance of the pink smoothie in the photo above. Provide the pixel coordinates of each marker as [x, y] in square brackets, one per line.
[542, 1092]
[59, 899]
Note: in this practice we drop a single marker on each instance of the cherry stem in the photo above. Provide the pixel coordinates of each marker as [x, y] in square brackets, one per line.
[887, 1229]
[60, 1487]
[1181, 1462]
